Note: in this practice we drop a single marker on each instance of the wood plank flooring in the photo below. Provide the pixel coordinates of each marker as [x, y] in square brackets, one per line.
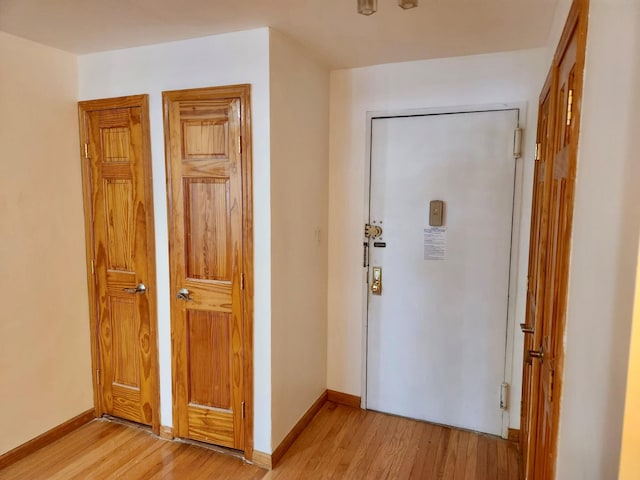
[340, 443]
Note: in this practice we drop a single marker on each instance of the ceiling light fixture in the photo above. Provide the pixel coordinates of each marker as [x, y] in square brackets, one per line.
[367, 7]
[406, 4]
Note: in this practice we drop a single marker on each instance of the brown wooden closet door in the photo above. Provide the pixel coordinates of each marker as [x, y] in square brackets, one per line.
[121, 210]
[537, 267]
[560, 216]
[205, 206]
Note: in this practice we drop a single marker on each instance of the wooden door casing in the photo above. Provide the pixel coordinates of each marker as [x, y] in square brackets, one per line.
[546, 388]
[209, 197]
[118, 204]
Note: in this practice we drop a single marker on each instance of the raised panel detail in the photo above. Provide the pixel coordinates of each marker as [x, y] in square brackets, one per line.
[119, 219]
[208, 236]
[204, 139]
[126, 402]
[125, 327]
[208, 358]
[211, 426]
[115, 143]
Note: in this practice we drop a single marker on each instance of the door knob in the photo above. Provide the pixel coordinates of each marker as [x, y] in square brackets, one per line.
[140, 288]
[183, 294]
[376, 285]
[525, 329]
[539, 354]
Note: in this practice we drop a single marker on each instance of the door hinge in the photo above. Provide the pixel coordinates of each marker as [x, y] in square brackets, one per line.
[98, 376]
[240, 144]
[570, 108]
[243, 410]
[538, 148]
[504, 396]
[517, 143]
[242, 281]
[86, 150]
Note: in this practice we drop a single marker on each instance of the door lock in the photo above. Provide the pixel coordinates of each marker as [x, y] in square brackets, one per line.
[376, 285]
[372, 231]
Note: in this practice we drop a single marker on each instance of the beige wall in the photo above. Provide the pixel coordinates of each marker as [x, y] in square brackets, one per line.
[604, 247]
[462, 81]
[299, 208]
[45, 361]
[629, 458]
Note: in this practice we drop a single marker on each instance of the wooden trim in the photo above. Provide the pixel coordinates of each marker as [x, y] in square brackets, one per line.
[166, 433]
[48, 437]
[84, 107]
[344, 399]
[243, 92]
[514, 435]
[298, 428]
[262, 460]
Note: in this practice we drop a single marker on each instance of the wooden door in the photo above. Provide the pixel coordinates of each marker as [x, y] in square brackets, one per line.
[532, 328]
[120, 248]
[548, 349]
[204, 131]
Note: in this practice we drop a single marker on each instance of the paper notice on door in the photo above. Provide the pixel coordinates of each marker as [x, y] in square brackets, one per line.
[435, 243]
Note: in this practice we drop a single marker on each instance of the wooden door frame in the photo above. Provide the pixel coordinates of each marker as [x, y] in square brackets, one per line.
[242, 92]
[521, 108]
[84, 107]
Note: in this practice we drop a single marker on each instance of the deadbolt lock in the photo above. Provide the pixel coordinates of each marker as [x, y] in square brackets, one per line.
[372, 231]
[376, 285]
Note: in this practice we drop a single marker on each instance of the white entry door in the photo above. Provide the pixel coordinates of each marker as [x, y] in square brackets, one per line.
[436, 335]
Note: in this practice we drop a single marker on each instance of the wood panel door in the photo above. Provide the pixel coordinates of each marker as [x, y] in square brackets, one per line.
[204, 137]
[532, 328]
[120, 247]
[548, 349]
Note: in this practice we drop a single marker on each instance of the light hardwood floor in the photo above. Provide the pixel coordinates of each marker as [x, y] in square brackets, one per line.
[341, 442]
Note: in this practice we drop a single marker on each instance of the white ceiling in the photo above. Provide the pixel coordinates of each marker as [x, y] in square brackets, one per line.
[330, 28]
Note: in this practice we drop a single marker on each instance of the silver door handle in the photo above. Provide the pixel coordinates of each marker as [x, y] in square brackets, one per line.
[140, 288]
[183, 294]
[525, 329]
[539, 354]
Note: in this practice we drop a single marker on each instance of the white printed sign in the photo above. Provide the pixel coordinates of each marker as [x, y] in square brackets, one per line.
[435, 243]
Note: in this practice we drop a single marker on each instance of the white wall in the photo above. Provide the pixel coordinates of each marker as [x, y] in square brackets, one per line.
[604, 246]
[210, 61]
[462, 81]
[299, 217]
[45, 358]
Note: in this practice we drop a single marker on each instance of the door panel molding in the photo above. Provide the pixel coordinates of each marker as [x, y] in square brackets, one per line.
[218, 283]
[117, 141]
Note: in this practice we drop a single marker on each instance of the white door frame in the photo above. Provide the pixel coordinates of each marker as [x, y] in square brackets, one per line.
[520, 107]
